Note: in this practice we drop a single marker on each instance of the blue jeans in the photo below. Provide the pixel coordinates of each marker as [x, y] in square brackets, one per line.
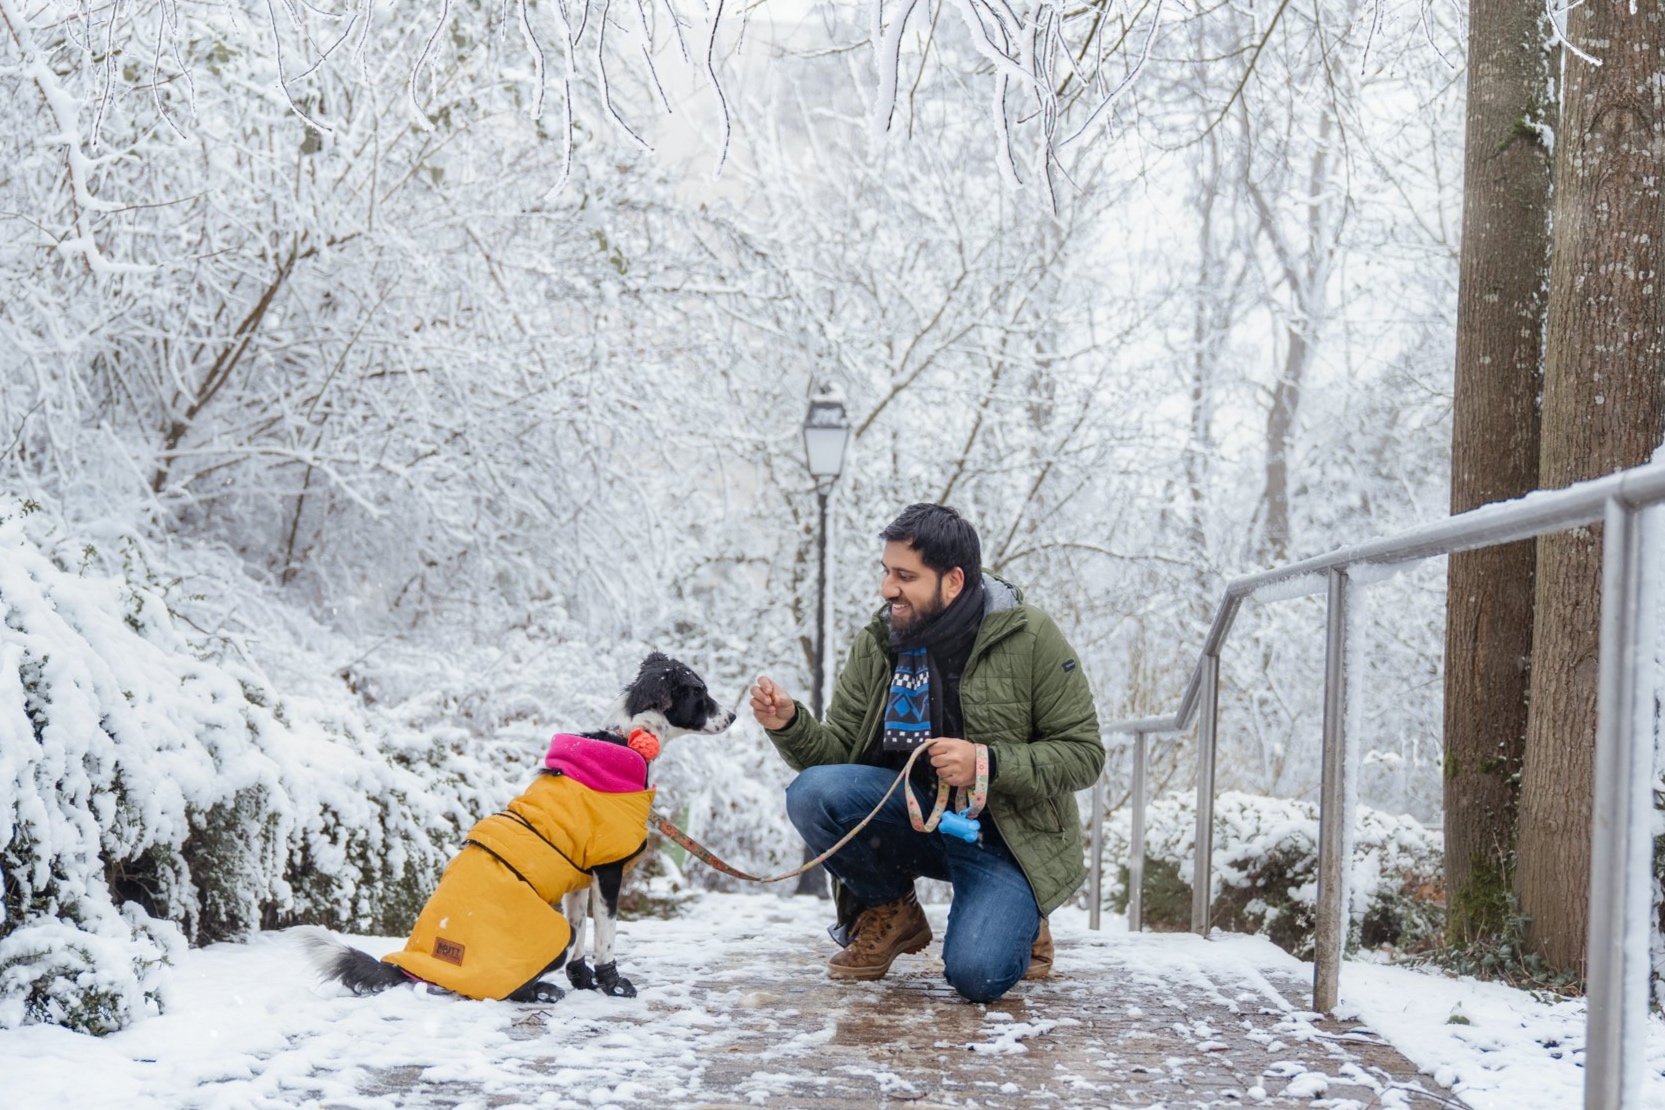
[993, 919]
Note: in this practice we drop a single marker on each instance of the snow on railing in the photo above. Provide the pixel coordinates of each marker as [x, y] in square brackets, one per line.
[1621, 837]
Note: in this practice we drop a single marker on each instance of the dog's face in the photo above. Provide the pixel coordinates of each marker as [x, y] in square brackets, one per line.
[675, 692]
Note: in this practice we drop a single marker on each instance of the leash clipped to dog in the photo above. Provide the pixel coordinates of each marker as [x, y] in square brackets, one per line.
[962, 824]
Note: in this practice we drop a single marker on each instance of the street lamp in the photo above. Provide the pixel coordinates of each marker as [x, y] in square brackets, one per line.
[826, 434]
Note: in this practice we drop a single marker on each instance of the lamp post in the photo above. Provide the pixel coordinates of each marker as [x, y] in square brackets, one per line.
[826, 434]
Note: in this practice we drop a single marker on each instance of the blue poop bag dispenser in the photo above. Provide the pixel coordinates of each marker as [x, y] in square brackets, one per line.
[968, 829]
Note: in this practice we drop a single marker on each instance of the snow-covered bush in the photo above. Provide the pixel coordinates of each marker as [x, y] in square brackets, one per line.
[1266, 871]
[154, 790]
[96, 980]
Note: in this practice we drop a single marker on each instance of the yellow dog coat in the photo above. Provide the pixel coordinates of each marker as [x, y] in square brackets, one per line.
[491, 926]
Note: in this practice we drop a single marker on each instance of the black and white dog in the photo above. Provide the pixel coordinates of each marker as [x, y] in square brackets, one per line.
[490, 929]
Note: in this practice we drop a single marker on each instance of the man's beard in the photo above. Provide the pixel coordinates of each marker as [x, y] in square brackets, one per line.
[920, 616]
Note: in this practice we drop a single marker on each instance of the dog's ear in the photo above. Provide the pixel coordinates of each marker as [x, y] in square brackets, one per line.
[652, 688]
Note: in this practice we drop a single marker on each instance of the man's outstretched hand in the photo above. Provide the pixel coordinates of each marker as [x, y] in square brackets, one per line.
[772, 706]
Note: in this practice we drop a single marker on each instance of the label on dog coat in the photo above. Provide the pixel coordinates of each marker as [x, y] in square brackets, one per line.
[448, 950]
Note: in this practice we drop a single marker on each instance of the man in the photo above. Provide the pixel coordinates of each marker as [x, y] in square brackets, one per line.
[955, 661]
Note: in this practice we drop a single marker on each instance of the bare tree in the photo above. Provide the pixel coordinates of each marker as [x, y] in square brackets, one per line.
[1494, 452]
[1304, 256]
[1603, 409]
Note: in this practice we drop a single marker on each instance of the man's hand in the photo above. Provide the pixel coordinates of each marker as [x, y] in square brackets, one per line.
[954, 760]
[772, 706]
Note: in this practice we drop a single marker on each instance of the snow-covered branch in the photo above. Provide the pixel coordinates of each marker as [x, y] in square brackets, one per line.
[63, 108]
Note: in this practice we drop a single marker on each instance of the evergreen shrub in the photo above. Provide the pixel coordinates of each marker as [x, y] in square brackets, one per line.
[156, 791]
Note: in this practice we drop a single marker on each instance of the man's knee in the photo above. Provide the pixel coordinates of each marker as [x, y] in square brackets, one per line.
[810, 796]
[979, 977]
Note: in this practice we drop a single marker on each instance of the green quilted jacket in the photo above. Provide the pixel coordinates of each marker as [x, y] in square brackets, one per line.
[1023, 694]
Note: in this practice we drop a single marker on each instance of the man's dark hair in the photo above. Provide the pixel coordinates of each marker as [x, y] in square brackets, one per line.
[943, 538]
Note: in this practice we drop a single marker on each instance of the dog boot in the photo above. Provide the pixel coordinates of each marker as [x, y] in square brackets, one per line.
[538, 992]
[580, 976]
[611, 982]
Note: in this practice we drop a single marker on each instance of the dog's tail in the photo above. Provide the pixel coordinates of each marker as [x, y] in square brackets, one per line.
[358, 971]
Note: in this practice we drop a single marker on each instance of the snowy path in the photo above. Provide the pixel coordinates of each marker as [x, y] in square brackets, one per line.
[734, 1011]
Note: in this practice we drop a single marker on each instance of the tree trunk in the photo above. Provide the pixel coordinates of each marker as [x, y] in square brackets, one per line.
[1205, 353]
[1280, 431]
[1494, 454]
[1603, 409]
[1306, 268]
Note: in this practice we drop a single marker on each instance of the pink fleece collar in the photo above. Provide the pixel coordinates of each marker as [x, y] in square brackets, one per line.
[609, 768]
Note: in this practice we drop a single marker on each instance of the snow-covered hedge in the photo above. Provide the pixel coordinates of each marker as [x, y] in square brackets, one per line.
[1266, 871]
[156, 791]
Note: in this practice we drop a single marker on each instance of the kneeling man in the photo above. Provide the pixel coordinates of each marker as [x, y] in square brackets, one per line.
[954, 660]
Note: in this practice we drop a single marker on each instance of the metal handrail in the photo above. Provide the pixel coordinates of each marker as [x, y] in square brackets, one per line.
[1620, 890]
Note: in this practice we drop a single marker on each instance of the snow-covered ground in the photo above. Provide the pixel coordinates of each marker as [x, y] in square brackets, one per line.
[248, 1026]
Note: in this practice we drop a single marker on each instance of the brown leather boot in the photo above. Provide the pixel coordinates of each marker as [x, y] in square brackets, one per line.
[879, 935]
[1040, 954]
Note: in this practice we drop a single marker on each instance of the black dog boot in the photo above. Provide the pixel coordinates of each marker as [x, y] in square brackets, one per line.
[611, 982]
[538, 992]
[580, 976]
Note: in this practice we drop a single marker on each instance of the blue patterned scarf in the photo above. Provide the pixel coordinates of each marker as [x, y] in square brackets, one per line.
[908, 712]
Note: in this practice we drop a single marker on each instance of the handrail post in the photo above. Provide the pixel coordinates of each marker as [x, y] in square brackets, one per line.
[1620, 843]
[1208, 725]
[1335, 818]
[1095, 884]
[1136, 834]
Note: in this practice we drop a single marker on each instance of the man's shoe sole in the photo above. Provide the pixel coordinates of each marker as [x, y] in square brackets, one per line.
[915, 943]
